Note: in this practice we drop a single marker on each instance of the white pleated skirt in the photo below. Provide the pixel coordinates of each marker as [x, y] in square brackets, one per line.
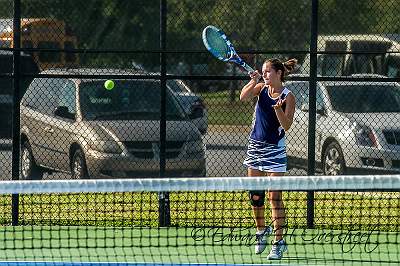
[266, 157]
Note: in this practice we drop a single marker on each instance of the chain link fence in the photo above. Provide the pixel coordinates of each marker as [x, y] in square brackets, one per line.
[171, 108]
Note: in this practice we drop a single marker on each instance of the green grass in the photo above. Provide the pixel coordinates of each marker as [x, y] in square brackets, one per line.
[223, 111]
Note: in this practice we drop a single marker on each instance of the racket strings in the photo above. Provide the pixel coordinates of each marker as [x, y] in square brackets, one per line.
[217, 43]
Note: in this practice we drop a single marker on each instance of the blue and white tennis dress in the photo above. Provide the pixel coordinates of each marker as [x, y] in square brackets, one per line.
[267, 151]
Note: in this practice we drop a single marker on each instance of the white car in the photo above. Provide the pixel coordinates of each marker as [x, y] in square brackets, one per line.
[191, 103]
[357, 129]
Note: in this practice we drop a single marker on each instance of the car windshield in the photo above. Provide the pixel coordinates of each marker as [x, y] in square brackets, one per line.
[365, 98]
[129, 99]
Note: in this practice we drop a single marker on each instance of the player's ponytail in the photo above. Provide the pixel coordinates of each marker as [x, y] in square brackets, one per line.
[285, 67]
[290, 65]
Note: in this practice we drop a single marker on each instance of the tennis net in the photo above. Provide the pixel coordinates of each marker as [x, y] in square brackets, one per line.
[350, 220]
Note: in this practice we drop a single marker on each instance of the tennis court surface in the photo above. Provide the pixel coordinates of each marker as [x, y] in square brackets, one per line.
[197, 221]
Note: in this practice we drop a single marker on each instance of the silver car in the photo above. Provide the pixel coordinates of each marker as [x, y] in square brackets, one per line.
[77, 126]
[357, 130]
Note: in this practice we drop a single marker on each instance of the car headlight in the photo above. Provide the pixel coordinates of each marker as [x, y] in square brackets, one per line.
[107, 146]
[195, 146]
[364, 135]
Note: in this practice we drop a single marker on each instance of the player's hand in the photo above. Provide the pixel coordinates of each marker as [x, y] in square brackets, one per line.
[279, 104]
[255, 76]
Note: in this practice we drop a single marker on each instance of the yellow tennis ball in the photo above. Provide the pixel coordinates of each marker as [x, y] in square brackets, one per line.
[109, 84]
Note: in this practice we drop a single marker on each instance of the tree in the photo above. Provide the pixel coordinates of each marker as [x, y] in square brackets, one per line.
[264, 26]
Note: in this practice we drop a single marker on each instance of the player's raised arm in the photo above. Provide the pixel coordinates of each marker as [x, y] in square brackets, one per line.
[252, 88]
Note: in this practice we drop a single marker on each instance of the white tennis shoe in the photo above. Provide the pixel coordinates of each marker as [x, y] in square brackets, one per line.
[261, 240]
[278, 247]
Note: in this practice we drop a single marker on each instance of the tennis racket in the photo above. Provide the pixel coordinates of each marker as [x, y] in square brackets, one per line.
[219, 46]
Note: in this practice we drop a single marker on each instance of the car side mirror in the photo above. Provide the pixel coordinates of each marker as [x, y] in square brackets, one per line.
[62, 111]
[196, 113]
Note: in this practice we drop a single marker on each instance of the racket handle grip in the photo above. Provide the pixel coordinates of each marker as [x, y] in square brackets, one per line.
[248, 68]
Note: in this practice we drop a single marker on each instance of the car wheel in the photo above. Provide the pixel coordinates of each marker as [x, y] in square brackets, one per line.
[333, 160]
[78, 165]
[29, 169]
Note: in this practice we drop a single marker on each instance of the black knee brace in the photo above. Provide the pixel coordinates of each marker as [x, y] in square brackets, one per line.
[257, 198]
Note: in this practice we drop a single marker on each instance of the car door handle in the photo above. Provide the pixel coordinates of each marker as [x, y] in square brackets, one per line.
[49, 129]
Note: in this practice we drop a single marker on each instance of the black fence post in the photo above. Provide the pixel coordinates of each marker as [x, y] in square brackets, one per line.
[312, 109]
[15, 114]
[163, 197]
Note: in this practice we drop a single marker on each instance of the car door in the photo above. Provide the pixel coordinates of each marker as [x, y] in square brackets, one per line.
[49, 138]
[38, 100]
[64, 123]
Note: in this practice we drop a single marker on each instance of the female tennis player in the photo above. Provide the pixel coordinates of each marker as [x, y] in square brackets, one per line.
[266, 154]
